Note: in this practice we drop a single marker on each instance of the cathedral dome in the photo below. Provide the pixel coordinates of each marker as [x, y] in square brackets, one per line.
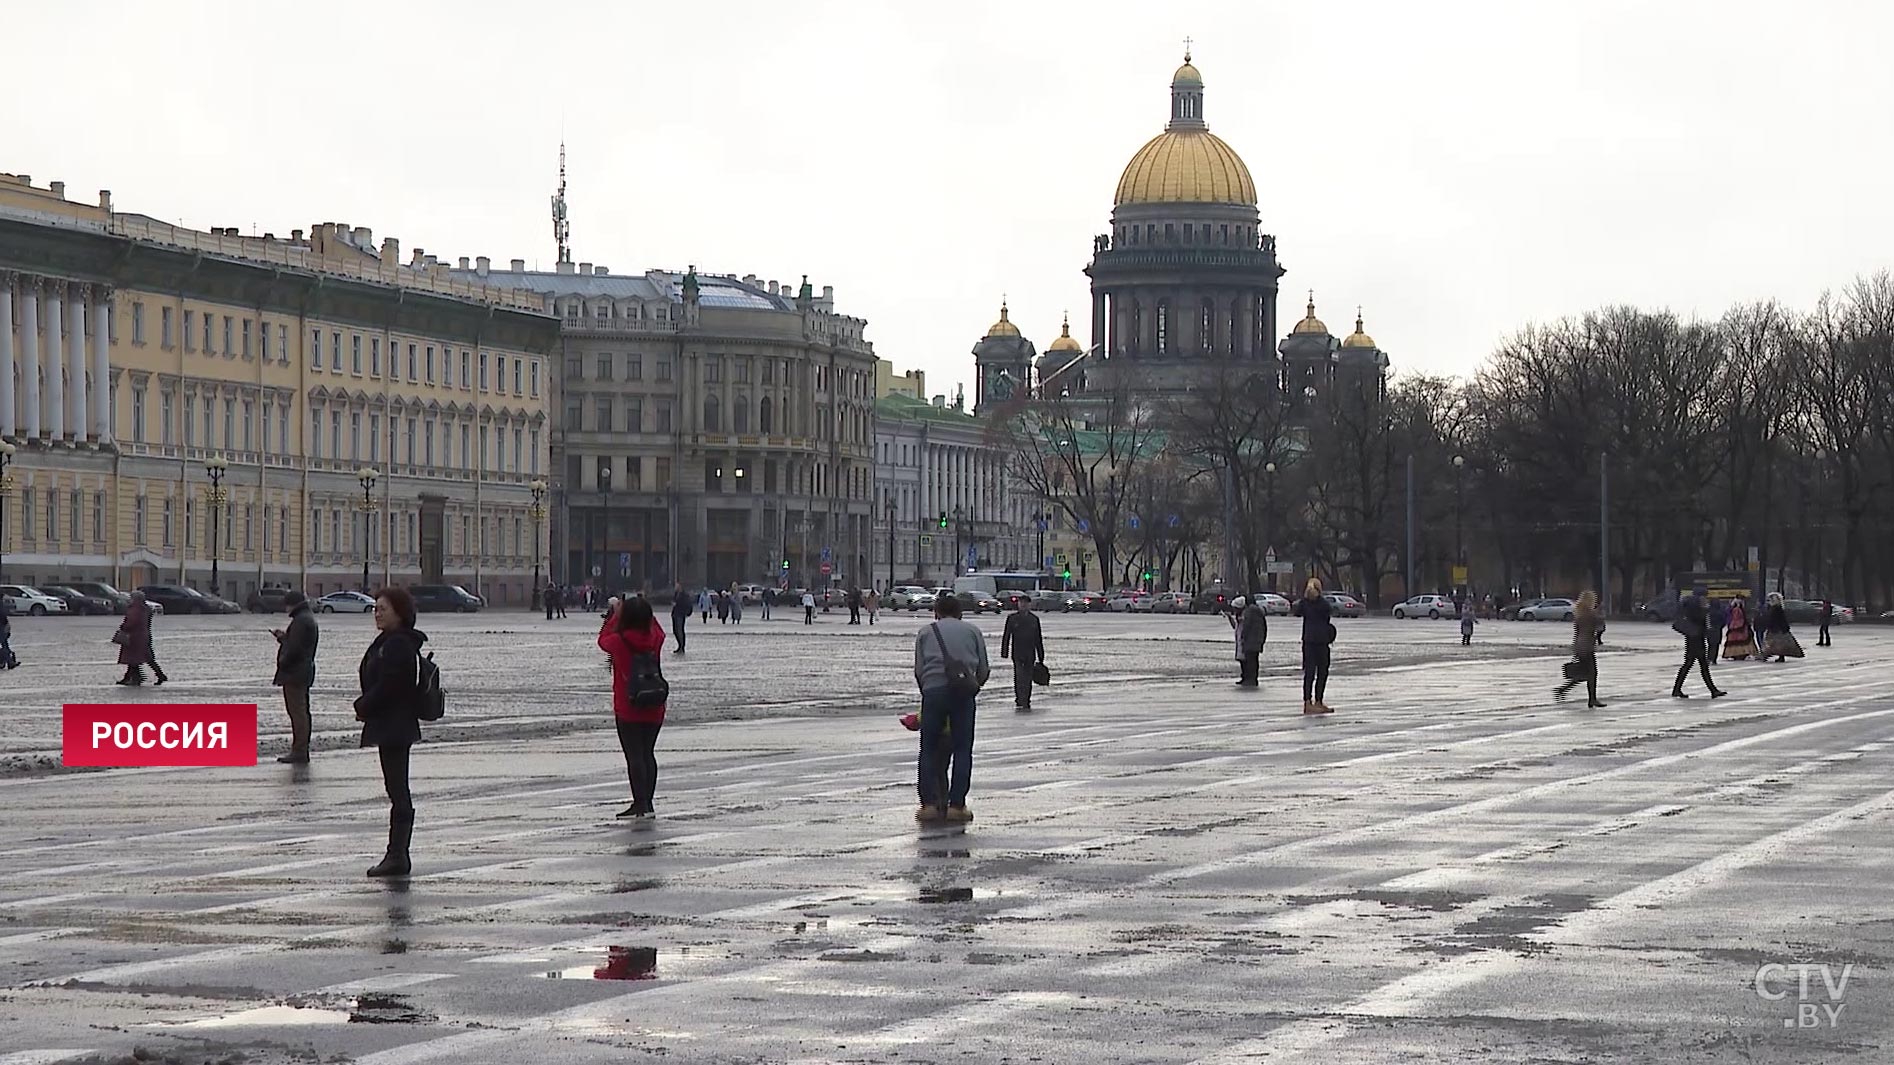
[1358, 339]
[1003, 327]
[1065, 341]
[1310, 324]
[1186, 163]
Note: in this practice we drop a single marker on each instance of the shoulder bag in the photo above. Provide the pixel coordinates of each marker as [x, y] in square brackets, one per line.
[960, 679]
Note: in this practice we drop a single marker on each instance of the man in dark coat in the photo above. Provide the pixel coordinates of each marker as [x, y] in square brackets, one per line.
[551, 596]
[1024, 642]
[1693, 623]
[680, 613]
[296, 672]
[1717, 617]
[1252, 631]
[1827, 615]
[854, 606]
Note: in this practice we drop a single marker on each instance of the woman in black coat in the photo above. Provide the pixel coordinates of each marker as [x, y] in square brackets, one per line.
[389, 710]
[1318, 632]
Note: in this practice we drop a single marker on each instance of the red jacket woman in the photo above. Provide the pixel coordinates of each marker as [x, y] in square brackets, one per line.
[634, 641]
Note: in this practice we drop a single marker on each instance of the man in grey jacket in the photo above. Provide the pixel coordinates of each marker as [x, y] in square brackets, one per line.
[950, 667]
[296, 672]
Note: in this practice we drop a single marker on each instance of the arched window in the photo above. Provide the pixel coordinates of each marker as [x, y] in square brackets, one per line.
[713, 415]
[1207, 327]
[1163, 327]
[764, 421]
[740, 415]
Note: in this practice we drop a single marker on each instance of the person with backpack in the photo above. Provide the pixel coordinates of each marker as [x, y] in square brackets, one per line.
[296, 672]
[632, 638]
[1318, 633]
[950, 667]
[397, 687]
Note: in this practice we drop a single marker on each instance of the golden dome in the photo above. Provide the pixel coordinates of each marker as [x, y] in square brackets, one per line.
[1065, 341]
[1310, 323]
[1003, 327]
[1358, 339]
[1186, 166]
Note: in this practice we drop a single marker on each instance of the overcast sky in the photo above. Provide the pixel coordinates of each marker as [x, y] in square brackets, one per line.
[1457, 168]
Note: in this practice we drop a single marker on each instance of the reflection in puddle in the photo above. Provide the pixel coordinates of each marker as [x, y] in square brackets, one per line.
[940, 853]
[933, 896]
[621, 963]
[272, 1015]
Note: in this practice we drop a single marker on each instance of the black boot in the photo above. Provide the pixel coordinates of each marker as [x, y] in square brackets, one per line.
[400, 832]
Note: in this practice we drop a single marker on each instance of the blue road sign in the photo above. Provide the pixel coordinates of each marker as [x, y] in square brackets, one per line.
[1173, 521]
[1134, 521]
[973, 556]
[1048, 562]
[826, 557]
[1084, 526]
[624, 560]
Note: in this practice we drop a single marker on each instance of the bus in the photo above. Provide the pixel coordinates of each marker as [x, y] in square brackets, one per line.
[1001, 585]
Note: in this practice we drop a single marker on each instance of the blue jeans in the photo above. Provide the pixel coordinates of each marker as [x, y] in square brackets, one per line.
[946, 719]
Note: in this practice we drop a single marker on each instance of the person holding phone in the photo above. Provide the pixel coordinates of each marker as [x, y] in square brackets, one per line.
[296, 672]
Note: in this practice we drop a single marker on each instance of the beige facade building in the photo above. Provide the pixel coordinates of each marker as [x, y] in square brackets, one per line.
[133, 353]
[909, 383]
[705, 428]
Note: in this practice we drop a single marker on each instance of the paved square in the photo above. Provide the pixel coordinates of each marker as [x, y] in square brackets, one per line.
[1163, 868]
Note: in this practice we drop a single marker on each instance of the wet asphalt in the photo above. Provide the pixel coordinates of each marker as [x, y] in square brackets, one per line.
[1162, 868]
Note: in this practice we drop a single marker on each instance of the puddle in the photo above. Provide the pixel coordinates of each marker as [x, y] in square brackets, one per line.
[625, 887]
[938, 852]
[394, 946]
[374, 1008]
[621, 963]
[936, 896]
[272, 1016]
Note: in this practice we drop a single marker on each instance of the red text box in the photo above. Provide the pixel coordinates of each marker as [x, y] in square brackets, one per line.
[147, 734]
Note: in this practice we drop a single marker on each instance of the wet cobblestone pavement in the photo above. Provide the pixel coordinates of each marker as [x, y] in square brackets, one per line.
[1163, 868]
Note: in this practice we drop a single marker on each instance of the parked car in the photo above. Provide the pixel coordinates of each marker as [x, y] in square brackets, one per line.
[751, 594]
[1548, 610]
[977, 602]
[1274, 604]
[449, 598]
[266, 600]
[177, 599]
[1510, 612]
[23, 599]
[1050, 599]
[77, 602]
[1213, 599]
[347, 602]
[1086, 602]
[909, 597]
[1662, 607]
[1170, 603]
[1343, 605]
[1427, 606]
[1129, 601]
[119, 600]
[1809, 612]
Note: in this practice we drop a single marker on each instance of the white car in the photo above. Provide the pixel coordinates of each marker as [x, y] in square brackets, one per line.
[348, 602]
[1129, 603]
[1274, 604]
[1548, 610]
[23, 600]
[1427, 606]
[909, 597]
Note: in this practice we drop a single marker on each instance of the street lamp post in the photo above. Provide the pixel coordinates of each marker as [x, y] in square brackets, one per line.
[959, 517]
[1042, 517]
[1459, 534]
[538, 512]
[1269, 515]
[215, 467]
[891, 542]
[367, 475]
[605, 547]
[6, 486]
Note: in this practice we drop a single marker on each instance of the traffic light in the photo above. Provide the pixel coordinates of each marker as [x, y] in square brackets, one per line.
[785, 565]
[1067, 574]
[943, 519]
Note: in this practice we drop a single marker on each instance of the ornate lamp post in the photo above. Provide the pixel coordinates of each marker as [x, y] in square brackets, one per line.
[538, 512]
[1459, 541]
[367, 476]
[215, 467]
[1041, 519]
[605, 548]
[1269, 514]
[6, 486]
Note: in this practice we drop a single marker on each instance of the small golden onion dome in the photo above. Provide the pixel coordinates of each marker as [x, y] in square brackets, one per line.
[1186, 166]
[1003, 327]
[1186, 76]
[1358, 339]
[1065, 341]
[1310, 323]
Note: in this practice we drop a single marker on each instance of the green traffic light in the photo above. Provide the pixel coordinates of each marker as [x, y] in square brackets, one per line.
[785, 563]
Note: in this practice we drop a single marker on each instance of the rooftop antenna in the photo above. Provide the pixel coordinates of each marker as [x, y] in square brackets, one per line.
[561, 225]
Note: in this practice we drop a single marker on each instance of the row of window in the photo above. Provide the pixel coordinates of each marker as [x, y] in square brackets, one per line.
[1207, 323]
[339, 530]
[1186, 233]
[608, 310]
[424, 368]
[855, 383]
[607, 364]
[492, 456]
[198, 419]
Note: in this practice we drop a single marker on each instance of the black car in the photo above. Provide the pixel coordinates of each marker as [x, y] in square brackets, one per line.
[1214, 599]
[119, 600]
[177, 599]
[267, 600]
[78, 602]
[448, 598]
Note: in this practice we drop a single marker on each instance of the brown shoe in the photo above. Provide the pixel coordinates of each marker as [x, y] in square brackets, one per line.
[1318, 707]
[959, 813]
[927, 813]
[1308, 706]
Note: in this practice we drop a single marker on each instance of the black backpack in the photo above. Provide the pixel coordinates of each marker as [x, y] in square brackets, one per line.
[433, 704]
[647, 685]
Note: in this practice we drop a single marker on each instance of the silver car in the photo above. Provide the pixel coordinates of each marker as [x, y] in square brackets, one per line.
[1548, 610]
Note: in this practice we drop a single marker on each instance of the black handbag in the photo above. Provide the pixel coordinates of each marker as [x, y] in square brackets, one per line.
[1572, 671]
[1040, 674]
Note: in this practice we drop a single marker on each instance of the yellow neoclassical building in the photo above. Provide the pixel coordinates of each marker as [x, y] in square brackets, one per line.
[140, 362]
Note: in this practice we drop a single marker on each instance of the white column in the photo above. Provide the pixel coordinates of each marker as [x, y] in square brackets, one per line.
[53, 362]
[75, 361]
[7, 416]
[101, 394]
[29, 358]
